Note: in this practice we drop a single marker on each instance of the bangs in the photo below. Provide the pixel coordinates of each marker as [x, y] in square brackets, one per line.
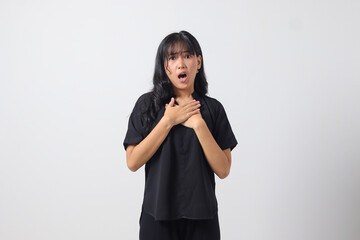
[178, 46]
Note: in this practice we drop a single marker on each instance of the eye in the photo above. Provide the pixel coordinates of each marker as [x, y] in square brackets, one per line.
[172, 58]
[187, 56]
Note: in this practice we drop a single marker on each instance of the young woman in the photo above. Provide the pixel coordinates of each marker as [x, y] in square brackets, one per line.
[183, 137]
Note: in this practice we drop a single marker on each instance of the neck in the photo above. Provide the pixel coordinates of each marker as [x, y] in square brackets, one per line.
[183, 94]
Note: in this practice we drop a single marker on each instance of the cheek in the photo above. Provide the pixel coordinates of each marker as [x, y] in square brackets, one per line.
[167, 67]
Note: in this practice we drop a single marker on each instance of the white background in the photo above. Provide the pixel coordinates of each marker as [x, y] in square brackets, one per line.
[287, 73]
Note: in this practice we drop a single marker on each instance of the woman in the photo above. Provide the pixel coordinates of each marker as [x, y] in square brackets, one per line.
[183, 137]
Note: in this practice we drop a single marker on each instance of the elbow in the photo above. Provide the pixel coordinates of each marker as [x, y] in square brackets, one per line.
[130, 161]
[225, 171]
[132, 167]
[223, 174]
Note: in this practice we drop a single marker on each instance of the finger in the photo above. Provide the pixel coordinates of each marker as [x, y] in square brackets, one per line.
[194, 112]
[166, 105]
[192, 102]
[193, 106]
[172, 102]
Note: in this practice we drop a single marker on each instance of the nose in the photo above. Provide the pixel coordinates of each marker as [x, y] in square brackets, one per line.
[181, 63]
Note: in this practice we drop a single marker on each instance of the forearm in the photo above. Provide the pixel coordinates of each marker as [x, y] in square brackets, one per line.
[215, 156]
[138, 155]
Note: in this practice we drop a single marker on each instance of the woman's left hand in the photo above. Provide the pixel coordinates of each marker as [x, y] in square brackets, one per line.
[194, 121]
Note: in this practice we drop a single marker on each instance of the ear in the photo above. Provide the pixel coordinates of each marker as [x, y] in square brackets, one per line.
[198, 62]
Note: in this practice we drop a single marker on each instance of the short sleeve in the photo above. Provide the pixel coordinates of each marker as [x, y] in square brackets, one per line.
[223, 133]
[136, 129]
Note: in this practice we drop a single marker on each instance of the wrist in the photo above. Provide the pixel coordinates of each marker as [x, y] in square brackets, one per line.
[199, 124]
[167, 122]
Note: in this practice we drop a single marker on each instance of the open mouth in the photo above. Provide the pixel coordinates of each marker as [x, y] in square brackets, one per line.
[182, 76]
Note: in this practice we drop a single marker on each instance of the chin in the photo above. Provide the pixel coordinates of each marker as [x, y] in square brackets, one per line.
[183, 86]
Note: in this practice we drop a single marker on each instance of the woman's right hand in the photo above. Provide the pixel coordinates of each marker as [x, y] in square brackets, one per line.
[177, 114]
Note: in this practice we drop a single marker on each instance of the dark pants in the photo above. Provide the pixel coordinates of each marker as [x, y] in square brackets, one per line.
[181, 229]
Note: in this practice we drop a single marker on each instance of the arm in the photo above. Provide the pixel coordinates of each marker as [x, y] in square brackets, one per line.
[138, 155]
[218, 159]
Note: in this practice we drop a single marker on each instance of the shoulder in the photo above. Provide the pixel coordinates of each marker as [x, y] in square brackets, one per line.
[144, 98]
[213, 103]
[142, 103]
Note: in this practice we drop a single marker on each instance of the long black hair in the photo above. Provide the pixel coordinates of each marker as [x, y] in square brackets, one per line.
[163, 90]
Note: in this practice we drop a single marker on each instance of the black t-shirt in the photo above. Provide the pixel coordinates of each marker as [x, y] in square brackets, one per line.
[179, 182]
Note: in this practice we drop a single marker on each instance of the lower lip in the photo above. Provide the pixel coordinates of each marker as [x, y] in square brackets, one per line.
[182, 80]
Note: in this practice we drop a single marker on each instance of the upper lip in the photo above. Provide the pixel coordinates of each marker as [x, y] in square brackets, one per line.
[182, 73]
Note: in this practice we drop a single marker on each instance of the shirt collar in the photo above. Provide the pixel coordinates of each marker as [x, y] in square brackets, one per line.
[195, 95]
